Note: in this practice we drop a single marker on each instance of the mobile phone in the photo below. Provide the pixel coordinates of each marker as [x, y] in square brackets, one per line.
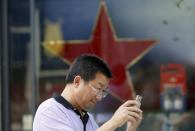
[138, 99]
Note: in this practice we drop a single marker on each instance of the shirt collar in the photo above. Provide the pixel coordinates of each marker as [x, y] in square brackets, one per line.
[66, 104]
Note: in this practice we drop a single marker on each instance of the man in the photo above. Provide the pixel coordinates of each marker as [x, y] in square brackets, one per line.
[86, 83]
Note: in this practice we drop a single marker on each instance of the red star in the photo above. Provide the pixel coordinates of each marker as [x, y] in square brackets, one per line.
[120, 54]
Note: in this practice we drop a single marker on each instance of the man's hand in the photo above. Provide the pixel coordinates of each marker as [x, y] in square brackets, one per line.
[127, 112]
[133, 126]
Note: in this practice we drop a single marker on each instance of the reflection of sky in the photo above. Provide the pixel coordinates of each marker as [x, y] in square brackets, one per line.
[151, 19]
[175, 27]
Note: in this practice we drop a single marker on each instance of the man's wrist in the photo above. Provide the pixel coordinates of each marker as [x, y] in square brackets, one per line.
[108, 126]
[130, 127]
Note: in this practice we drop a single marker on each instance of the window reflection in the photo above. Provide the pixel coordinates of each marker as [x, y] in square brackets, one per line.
[57, 24]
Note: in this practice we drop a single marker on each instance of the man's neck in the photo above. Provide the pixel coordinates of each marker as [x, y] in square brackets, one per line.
[68, 94]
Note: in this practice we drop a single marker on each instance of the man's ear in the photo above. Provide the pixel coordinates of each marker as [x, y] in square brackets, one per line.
[77, 81]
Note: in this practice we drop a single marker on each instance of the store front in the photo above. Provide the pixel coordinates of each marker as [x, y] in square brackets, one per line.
[36, 38]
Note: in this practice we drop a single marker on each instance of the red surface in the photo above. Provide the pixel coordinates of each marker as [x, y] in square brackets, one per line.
[175, 71]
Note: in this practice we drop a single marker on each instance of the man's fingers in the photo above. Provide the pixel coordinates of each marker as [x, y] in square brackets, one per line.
[129, 103]
[134, 109]
[133, 114]
[131, 118]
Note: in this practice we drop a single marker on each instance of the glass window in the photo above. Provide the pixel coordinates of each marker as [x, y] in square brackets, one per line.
[20, 65]
[135, 38]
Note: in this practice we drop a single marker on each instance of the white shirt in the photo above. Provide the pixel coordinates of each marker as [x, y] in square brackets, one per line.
[53, 116]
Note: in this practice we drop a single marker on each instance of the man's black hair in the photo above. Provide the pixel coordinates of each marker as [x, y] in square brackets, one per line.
[87, 66]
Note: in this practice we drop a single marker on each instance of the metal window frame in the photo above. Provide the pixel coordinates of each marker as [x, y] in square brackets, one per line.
[1, 42]
[5, 100]
[33, 58]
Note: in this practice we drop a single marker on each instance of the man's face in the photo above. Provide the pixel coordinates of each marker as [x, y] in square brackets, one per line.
[91, 92]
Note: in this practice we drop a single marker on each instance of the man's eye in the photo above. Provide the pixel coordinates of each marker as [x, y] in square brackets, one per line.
[104, 91]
